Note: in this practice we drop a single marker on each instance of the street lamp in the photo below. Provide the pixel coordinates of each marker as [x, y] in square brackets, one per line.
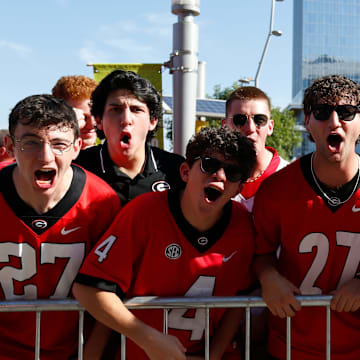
[271, 32]
[184, 67]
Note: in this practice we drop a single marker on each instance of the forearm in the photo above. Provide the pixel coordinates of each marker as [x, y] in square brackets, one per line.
[225, 332]
[96, 341]
[264, 266]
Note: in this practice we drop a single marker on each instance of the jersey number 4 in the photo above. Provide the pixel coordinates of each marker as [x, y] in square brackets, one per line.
[321, 242]
[49, 252]
[203, 286]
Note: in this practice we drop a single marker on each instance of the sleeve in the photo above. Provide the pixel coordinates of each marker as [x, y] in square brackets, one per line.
[266, 218]
[109, 265]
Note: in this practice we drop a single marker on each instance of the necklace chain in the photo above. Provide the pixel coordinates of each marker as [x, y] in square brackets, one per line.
[250, 180]
[334, 200]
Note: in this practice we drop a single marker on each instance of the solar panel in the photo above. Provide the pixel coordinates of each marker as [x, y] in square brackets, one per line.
[204, 107]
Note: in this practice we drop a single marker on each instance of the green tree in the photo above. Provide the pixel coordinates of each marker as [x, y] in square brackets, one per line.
[225, 93]
[285, 137]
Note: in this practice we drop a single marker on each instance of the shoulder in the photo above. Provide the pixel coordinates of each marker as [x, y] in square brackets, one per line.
[89, 158]
[165, 157]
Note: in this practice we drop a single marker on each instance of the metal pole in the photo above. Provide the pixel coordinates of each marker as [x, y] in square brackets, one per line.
[266, 43]
[184, 69]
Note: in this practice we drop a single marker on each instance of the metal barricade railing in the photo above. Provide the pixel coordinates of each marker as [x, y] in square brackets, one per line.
[167, 304]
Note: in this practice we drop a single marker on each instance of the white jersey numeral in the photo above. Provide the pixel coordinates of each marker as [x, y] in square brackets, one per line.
[203, 286]
[321, 243]
[104, 247]
[27, 269]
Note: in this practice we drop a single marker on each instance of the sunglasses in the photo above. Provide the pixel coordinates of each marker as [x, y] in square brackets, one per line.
[260, 120]
[211, 165]
[322, 112]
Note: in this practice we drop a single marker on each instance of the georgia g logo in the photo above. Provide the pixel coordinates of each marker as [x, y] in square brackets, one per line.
[160, 185]
[173, 251]
[39, 224]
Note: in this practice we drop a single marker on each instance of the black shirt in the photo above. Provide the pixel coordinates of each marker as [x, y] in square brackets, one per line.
[161, 171]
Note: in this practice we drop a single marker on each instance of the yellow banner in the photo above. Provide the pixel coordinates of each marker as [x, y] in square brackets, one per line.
[152, 72]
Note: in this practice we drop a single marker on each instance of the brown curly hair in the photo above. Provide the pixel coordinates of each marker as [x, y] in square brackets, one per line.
[76, 87]
[329, 90]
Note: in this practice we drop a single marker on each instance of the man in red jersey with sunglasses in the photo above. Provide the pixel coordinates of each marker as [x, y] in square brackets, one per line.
[311, 209]
[248, 111]
[200, 243]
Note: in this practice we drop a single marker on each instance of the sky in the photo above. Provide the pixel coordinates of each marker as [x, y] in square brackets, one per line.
[42, 40]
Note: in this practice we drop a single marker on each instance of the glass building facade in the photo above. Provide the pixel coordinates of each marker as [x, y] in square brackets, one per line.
[326, 40]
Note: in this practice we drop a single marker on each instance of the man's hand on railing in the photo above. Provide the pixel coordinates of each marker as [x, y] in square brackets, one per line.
[347, 296]
[279, 294]
[164, 347]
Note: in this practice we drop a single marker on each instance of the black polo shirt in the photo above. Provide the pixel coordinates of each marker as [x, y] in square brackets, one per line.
[161, 171]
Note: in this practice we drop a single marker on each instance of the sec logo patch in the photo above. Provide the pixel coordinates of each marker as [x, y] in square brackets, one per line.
[160, 185]
[173, 251]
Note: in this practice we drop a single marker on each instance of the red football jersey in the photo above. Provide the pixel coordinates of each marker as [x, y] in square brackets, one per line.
[247, 193]
[151, 250]
[319, 252]
[40, 256]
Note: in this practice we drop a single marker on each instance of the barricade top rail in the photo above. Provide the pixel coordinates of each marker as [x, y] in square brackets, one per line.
[154, 302]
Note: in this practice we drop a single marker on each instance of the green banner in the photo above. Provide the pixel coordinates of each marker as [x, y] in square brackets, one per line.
[151, 72]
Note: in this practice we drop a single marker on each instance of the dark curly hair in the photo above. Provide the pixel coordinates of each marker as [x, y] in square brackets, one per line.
[246, 93]
[229, 143]
[142, 88]
[329, 90]
[43, 111]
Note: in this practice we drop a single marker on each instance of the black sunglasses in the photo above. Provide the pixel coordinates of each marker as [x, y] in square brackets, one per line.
[211, 165]
[322, 112]
[260, 120]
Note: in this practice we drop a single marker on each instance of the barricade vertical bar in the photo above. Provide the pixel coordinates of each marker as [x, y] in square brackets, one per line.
[247, 333]
[166, 321]
[288, 338]
[81, 335]
[37, 335]
[123, 347]
[328, 324]
[207, 334]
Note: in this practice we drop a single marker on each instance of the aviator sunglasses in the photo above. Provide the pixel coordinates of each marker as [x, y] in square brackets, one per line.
[260, 120]
[322, 112]
[211, 165]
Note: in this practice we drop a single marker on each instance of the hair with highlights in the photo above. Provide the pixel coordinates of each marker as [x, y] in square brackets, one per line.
[229, 143]
[76, 87]
[43, 111]
[247, 93]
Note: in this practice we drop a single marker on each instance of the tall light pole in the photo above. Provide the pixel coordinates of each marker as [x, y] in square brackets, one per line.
[271, 32]
[184, 66]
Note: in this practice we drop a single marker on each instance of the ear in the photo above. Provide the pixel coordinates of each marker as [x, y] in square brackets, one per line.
[76, 147]
[153, 123]
[241, 185]
[10, 146]
[270, 127]
[184, 171]
[99, 123]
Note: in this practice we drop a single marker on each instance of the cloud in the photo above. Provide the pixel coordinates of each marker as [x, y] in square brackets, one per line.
[147, 38]
[19, 49]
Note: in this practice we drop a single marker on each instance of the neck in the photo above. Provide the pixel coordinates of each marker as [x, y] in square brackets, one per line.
[335, 174]
[263, 160]
[198, 218]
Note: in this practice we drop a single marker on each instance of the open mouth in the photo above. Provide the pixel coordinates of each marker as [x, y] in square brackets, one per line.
[334, 141]
[44, 178]
[125, 139]
[212, 194]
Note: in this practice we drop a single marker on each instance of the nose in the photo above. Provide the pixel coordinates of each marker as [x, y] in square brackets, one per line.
[220, 175]
[249, 126]
[46, 154]
[126, 117]
[334, 120]
[90, 122]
